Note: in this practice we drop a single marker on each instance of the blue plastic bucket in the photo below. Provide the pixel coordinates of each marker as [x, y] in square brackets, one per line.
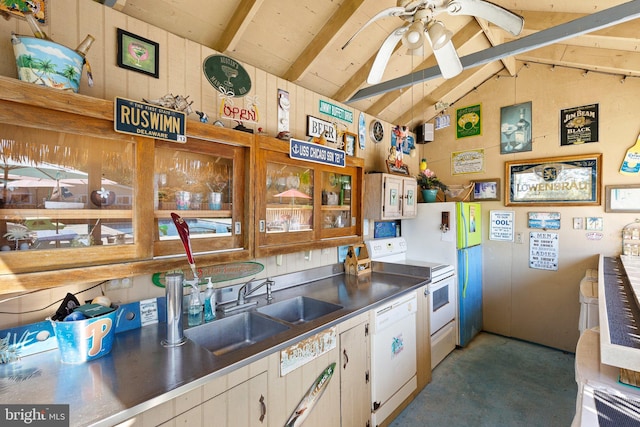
[82, 340]
[47, 63]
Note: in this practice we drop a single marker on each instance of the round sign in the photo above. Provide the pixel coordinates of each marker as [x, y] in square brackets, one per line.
[227, 75]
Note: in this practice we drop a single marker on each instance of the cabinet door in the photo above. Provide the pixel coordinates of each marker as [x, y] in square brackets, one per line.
[68, 197]
[203, 182]
[240, 406]
[409, 198]
[393, 196]
[423, 342]
[285, 213]
[338, 211]
[355, 391]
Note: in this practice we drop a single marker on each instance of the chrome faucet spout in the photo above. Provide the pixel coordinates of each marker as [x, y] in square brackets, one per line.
[245, 292]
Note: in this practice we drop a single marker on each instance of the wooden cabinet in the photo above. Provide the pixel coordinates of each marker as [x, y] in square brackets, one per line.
[423, 341]
[390, 197]
[244, 405]
[204, 182]
[78, 200]
[355, 389]
[303, 205]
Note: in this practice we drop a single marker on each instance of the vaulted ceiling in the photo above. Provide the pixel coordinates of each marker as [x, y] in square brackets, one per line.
[301, 41]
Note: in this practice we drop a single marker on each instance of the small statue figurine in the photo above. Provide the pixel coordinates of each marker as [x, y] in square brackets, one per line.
[401, 133]
[203, 116]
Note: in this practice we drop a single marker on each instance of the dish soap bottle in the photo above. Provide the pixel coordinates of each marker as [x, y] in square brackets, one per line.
[209, 302]
[195, 307]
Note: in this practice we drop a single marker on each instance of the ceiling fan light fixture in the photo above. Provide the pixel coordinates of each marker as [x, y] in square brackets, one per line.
[413, 38]
[438, 34]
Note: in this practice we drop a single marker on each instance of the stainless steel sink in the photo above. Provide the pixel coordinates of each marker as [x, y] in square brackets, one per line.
[299, 309]
[234, 332]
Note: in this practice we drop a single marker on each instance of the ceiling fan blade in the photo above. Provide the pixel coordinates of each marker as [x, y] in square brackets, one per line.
[493, 13]
[448, 60]
[392, 11]
[382, 58]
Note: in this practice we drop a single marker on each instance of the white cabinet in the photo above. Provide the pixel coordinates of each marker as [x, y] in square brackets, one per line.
[242, 405]
[355, 390]
[390, 196]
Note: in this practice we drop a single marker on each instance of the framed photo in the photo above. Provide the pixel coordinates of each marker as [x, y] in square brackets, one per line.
[349, 143]
[515, 128]
[137, 53]
[622, 198]
[486, 189]
[554, 181]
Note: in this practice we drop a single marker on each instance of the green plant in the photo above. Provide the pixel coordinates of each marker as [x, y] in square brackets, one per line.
[427, 180]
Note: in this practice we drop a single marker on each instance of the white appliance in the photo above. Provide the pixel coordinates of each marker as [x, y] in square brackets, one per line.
[393, 355]
[443, 290]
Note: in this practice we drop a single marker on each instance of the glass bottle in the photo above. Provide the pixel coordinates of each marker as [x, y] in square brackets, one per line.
[85, 45]
[523, 131]
[195, 308]
[35, 28]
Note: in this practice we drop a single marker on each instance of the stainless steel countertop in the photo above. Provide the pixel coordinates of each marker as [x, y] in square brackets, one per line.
[140, 373]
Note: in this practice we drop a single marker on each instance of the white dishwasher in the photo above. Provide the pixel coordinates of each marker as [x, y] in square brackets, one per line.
[393, 355]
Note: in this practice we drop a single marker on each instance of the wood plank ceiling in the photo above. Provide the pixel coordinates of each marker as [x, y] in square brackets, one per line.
[300, 41]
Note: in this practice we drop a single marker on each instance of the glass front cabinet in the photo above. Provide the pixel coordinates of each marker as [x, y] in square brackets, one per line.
[82, 202]
[204, 183]
[303, 205]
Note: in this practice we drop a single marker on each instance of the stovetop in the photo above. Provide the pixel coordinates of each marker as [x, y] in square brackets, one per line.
[394, 250]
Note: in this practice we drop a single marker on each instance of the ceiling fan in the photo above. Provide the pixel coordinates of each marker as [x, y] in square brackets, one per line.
[420, 24]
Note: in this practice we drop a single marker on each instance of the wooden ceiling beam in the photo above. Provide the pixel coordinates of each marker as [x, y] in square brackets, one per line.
[586, 58]
[496, 38]
[238, 24]
[323, 39]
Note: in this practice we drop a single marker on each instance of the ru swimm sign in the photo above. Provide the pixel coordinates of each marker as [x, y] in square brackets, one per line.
[141, 119]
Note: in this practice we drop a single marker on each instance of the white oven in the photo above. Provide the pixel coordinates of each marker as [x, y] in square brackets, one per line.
[442, 305]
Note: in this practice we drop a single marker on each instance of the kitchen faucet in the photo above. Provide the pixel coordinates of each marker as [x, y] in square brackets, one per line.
[244, 292]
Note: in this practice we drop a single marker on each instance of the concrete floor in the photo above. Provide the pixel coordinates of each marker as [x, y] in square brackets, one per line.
[497, 382]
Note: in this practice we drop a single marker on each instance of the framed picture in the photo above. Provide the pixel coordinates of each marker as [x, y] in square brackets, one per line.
[137, 53]
[469, 121]
[579, 125]
[349, 143]
[515, 128]
[622, 198]
[397, 170]
[486, 189]
[554, 181]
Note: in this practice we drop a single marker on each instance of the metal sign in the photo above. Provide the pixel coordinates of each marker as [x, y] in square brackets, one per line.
[502, 224]
[227, 75]
[310, 152]
[544, 220]
[141, 119]
[317, 127]
[543, 250]
[336, 111]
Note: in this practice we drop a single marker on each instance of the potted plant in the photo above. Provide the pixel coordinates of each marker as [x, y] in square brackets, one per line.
[429, 184]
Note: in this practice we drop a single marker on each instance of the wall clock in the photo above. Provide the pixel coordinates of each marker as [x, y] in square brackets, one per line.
[376, 130]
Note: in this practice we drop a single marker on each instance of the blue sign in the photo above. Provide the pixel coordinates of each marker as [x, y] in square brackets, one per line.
[311, 152]
[138, 118]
